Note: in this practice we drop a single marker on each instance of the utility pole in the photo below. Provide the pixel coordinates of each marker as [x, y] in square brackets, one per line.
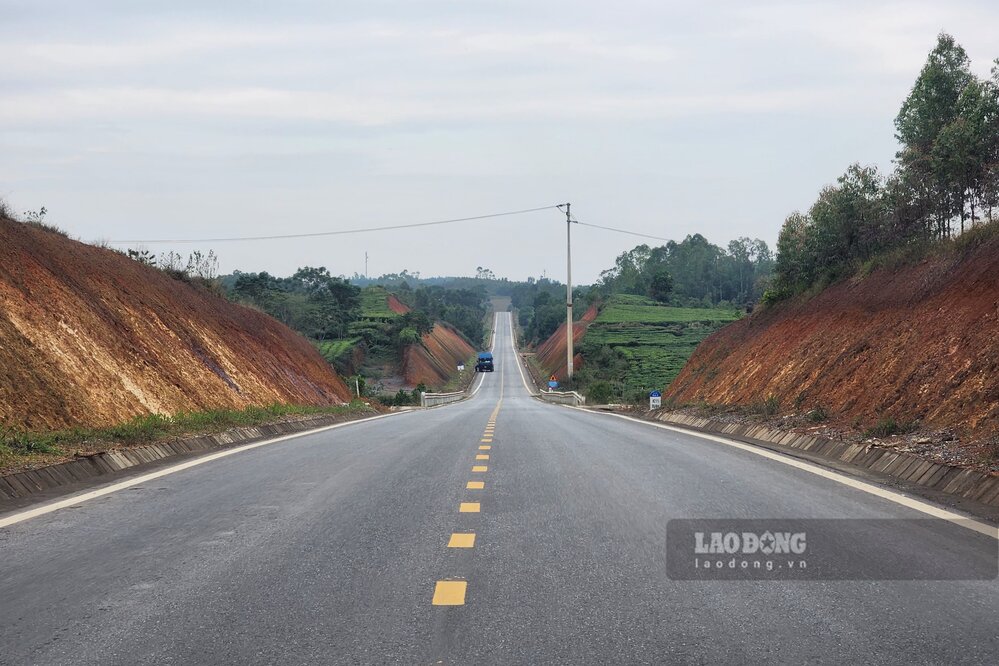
[568, 293]
[365, 264]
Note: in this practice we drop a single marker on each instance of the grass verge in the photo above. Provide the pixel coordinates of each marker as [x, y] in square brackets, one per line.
[21, 449]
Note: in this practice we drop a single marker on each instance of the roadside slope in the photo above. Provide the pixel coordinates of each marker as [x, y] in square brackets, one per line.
[917, 343]
[89, 337]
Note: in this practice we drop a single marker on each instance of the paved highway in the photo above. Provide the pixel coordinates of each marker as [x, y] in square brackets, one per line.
[498, 530]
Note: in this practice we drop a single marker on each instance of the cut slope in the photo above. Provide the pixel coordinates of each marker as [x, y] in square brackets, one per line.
[918, 343]
[436, 360]
[89, 337]
[551, 353]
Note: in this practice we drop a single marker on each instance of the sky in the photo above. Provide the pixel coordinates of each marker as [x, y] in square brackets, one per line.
[189, 119]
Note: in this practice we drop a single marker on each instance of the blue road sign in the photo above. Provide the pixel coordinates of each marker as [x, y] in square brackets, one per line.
[655, 394]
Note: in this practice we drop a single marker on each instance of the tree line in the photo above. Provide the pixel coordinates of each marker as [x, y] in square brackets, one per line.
[693, 272]
[945, 180]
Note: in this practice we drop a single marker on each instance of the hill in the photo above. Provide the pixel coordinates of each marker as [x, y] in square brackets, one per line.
[913, 344]
[89, 337]
[632, 342]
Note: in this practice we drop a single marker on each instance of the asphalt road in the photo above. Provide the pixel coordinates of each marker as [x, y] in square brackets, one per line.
[333, 547]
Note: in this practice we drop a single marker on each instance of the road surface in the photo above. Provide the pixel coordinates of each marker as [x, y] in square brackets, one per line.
[334, 548]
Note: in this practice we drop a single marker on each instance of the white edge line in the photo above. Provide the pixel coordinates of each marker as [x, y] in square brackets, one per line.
[891, 496]
[74, 500]
[516, 358]
[492, 348]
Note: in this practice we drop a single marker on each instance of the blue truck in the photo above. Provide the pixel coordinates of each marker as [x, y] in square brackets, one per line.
[485, 362]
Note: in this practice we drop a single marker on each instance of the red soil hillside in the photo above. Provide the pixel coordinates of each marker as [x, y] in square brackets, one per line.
[89, 337]
[396, 306]
[920, 342]
[551, 352]
[436, 360]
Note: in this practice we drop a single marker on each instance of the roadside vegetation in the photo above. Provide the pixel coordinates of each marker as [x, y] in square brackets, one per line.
[945, 183]
[20, 448]
[636, 345]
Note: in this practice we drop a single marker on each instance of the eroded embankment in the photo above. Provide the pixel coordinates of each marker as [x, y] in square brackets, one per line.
[914, 345]
[89, 337]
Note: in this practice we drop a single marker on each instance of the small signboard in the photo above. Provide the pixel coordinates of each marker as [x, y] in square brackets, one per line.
[655, 400]
[461, 367]
[552, 384]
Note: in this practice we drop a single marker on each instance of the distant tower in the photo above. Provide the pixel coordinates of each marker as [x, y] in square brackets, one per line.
[365, 264]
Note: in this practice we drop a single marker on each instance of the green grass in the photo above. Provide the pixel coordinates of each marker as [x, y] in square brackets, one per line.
[374, 304]
[19, 446]
[332, 350]
[655, 340]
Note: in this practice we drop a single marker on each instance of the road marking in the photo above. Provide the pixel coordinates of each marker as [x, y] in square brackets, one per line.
[462, 540]
[468, 507]
[516, 358]
[449, 593]
[479, 468]
[891, 496]
[482, 456]
[485, 447]
[75, 500]
[475, 485]
[486, 441]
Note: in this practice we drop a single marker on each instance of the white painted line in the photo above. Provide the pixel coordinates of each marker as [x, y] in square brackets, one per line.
[516, 358]
[75, 500]
[883, 493]
[492, 347]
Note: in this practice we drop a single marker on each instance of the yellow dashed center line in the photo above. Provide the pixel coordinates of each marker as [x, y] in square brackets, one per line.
[450, 593]
[462, 540]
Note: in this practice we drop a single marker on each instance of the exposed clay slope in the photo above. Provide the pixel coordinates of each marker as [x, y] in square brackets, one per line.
[551, 352]
[436, 360]
[89, 337]
[921, 342]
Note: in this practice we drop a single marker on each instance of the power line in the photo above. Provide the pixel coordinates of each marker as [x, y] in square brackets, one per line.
[622, 231]
[333, 233]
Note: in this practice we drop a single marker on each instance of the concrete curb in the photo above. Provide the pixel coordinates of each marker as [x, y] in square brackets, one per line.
[947, 479]
[93, 467]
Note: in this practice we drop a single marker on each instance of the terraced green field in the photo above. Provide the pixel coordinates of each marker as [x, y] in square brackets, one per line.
[654, 339]
[331, 350]
[374, 304]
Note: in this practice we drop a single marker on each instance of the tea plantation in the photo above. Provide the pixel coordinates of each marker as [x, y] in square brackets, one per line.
[654, 340]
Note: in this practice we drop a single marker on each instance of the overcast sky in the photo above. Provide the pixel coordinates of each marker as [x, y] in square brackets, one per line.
[186, 119]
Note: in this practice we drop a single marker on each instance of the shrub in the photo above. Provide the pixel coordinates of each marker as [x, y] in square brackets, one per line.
[771, 405]
[600, 393]
[818, 414]
[888, 426]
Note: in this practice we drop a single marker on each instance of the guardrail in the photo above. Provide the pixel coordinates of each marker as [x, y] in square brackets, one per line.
[563, 397]
[437, 399]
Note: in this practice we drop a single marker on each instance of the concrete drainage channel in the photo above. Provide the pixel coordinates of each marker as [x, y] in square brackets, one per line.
[948, 480]
[88, 470]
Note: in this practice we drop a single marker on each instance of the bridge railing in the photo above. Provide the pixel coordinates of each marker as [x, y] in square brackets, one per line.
[563, 397]
[437, 399]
